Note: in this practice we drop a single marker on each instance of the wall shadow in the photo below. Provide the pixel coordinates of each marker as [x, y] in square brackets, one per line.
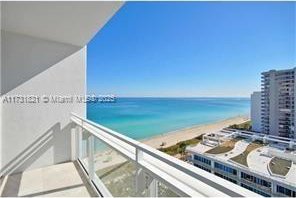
[12, 185]
[53, 137]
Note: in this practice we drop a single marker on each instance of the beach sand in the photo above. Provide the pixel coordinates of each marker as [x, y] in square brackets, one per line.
[174, 137]
[108, 161]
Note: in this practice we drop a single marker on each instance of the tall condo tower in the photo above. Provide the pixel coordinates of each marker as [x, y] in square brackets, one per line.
[277, 103]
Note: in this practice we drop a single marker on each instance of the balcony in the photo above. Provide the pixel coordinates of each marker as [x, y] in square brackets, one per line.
[44, 152]
[106, 163]
[119, 166]
[61, 180]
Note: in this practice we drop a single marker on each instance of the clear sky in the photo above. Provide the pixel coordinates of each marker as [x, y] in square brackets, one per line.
[175, 49]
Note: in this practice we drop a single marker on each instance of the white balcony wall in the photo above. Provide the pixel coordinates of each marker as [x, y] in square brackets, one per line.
[36, 135]
[43, 53]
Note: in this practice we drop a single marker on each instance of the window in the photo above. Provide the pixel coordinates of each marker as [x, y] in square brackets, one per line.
[255, 180]
[201, 167]
[255, 190]
[227, 178]
[285, 191]
[202, 159]
[225, 168]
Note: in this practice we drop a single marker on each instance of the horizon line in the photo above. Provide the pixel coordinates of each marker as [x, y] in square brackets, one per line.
[180, 96]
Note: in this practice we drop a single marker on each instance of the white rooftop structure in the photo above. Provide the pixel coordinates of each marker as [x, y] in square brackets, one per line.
[258, 159]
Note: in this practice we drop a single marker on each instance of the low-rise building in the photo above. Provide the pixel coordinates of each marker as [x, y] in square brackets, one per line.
[261, 163]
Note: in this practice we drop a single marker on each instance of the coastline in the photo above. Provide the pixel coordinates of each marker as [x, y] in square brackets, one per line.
[109, 158]
[173, 137]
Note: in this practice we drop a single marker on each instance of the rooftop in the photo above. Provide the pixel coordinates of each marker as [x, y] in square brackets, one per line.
[243, 156]
[270, 160]
[225, 147]
[280, 166]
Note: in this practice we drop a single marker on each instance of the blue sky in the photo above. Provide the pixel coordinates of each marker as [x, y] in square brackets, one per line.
[187, 49]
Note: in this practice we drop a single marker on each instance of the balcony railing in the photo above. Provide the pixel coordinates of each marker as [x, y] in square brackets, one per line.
[120, 166]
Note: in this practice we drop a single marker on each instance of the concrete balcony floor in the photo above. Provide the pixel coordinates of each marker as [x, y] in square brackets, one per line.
[62, 180]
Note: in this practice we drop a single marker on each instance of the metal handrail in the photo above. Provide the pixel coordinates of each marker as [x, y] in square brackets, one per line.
[201, 182]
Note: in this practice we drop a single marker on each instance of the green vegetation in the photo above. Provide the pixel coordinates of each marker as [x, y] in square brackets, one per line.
[243, 126]
[180, 147]
[242, 158]
[224, 147]
[280, 166]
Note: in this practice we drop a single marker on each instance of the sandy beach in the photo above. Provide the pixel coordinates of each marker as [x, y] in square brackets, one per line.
[109, 159]
[174, 137]
[113, 167]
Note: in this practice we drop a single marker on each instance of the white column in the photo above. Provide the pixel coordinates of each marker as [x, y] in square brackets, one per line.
[212, 166]
[239, 177]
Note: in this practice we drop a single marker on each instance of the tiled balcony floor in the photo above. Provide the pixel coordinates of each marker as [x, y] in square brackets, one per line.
[62, 180]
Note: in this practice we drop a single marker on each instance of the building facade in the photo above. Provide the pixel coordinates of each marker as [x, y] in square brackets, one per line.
[263, 185]
[261, 163]
[277, 103]
[256, 111]
[43, 60]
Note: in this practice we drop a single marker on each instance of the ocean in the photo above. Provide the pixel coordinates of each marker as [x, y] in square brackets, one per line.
[141, 118]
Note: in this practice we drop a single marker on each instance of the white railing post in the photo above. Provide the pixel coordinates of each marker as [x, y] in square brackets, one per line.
[79, 141]
[73, 144]
[139, 172]
[76, 143]
[139, 155]
[91, 168]
[153, 188]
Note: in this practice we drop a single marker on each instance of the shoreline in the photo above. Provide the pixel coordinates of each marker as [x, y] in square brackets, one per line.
[173, 137]
[109, 158]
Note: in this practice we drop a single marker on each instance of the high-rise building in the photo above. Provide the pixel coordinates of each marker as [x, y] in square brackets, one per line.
[277, 103]
[256, 111]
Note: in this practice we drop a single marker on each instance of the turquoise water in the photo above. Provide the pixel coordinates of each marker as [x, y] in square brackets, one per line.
[141, 118]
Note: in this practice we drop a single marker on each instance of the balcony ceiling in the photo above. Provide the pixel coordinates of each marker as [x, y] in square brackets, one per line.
[67, 22]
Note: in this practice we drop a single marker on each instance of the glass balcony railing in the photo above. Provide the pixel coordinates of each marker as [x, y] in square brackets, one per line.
[119, 166]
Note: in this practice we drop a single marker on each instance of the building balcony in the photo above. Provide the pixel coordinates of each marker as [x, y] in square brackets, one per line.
[107, 163]
[120, 166]
[265, 119]
[46, 152]
[285, 120]
[61, 180]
